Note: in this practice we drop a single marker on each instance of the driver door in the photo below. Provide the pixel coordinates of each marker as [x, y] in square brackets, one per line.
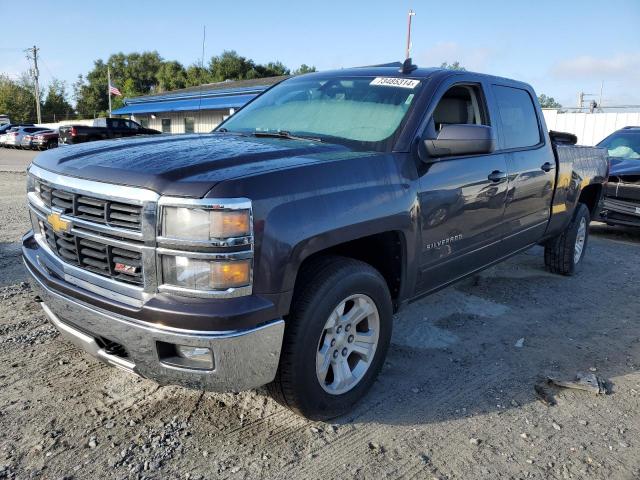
[462, 198]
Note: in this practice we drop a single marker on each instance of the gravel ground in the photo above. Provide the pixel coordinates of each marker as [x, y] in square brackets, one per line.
[14, 160]
[455, 399]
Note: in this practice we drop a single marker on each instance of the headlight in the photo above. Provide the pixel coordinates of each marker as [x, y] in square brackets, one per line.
[199, 224]
[200, 274]
[205, 247]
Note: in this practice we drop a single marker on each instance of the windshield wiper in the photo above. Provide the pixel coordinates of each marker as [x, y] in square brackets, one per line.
[285, 134]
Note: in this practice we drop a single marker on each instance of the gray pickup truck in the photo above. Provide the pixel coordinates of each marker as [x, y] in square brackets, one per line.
[275, 250]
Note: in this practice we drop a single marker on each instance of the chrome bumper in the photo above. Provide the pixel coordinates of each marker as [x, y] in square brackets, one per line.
[242, 359]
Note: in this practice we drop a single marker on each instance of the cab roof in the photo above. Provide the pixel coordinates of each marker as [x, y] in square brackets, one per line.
[394, 70]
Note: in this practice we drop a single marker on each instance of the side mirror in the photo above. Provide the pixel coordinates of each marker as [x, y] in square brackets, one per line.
[461, 139]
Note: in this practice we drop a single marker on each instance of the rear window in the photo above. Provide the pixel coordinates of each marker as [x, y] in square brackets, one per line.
[518, 117]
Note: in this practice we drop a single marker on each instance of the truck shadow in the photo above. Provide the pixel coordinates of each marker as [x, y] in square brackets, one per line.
[462, 358]
[616, 232]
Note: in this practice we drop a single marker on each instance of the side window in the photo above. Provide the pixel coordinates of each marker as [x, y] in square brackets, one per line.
[166, 125]
[461, 104]
[130, 124]
[189, 124]
[144, 121]
[518, 116]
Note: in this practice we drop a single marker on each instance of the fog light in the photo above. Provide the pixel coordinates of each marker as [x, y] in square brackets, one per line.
[199, 354]
[186, 356]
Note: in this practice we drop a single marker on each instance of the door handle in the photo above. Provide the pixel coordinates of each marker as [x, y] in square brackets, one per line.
[547, 166]
[497, 176]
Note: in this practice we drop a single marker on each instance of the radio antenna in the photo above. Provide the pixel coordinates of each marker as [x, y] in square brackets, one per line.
[204, 37]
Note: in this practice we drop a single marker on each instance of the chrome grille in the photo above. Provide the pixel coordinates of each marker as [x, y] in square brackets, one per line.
[107, 212]
[95, 256]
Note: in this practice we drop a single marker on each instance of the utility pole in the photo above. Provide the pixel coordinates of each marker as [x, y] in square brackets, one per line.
[32, 55]
[411, 14]
[109, 88]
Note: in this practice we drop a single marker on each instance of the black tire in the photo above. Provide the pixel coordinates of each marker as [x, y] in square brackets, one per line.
[323, 285]
[559, 252]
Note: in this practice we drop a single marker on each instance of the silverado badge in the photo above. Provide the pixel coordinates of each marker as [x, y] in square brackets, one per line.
[57, 223]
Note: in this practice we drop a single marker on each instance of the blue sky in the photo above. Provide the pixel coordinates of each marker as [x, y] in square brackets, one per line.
[560, 47]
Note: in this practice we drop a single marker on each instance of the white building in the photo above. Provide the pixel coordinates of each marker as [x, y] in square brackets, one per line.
[590, 128]
[195, 109]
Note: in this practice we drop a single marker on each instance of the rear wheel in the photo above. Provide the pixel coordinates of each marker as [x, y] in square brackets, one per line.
[336, 338]
[564, 254]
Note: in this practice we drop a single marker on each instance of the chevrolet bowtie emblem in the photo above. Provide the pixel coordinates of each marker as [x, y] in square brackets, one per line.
[58, 224]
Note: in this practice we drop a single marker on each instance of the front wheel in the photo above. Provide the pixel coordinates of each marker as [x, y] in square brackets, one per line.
[564, 253]
[336, 338]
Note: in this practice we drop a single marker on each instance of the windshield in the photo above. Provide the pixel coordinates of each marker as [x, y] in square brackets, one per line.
[359, 111]
[622, 145]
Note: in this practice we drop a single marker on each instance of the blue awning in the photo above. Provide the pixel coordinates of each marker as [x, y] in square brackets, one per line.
[192, 104]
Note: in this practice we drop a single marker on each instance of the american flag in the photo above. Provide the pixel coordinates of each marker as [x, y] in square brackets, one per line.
[114, 91]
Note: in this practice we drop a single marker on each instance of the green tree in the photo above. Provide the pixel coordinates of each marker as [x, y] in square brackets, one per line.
[453, 66]
[548, 102]
[197, 75]
[171, 76]
[134, 73]
[56, 106]
[143, 73]
[271, 69]
[17, 99]
[304, 68]
[231, 66]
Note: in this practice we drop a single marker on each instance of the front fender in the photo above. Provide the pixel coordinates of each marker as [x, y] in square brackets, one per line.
[327, 220]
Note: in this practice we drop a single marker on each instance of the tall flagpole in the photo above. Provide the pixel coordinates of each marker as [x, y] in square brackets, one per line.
[109, 88]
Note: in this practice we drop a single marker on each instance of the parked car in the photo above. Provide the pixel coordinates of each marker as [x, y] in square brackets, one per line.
[622, 195]
[27, 141]
[277, 249]
[4, 129]
[15, 135]
[102, 129]
[45, 140]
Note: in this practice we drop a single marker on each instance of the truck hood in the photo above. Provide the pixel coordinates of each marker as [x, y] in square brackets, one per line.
[185, 165]
[621, 167]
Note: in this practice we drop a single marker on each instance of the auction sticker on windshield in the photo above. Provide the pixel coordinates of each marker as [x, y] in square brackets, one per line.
[395, 82]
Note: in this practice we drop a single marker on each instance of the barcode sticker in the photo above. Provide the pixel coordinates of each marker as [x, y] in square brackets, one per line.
[395, 82]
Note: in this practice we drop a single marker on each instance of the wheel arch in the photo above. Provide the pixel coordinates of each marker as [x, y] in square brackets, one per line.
[386, 251]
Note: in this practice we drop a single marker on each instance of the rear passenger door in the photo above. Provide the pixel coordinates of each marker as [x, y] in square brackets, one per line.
[530, 165]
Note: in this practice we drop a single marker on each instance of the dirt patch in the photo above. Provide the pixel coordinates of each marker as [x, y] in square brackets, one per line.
[455, 398]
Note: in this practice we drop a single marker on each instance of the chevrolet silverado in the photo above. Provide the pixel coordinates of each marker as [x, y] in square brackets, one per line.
[276, 249]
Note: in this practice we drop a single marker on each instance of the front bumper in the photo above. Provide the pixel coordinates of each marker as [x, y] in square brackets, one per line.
[243, 359]
[620, 212]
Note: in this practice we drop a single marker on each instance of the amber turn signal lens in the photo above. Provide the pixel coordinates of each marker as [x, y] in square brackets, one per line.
[229, 224]
[230, 274]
